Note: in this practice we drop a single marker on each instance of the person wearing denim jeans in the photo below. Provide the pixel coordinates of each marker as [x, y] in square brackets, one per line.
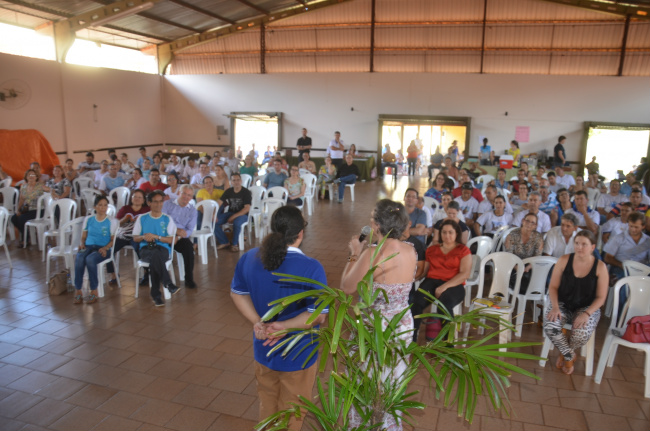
[96, 241]
[233, 208]
[347, 174]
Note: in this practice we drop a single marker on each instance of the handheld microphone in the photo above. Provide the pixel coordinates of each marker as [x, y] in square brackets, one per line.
[365, 231]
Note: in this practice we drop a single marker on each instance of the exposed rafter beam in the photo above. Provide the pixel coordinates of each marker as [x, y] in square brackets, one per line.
[302, 2]
[626, 30]
[189, 41]
[613, 7]
[154, 17]
[252, 6]
[202, 11]
[49, 11]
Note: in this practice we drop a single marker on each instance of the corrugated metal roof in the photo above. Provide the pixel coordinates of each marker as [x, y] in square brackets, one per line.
[639, 35]
[636, 64]
[585, 64]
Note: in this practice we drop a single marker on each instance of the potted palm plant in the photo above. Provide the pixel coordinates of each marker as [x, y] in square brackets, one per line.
[361, 390]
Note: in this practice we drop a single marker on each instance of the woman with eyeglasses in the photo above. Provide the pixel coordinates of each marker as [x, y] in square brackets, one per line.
[524, 242]
[296, 187]
[30, 191]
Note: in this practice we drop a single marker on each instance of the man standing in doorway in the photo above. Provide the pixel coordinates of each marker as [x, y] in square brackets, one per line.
[336, 149]
[559, 154]
[304, 144]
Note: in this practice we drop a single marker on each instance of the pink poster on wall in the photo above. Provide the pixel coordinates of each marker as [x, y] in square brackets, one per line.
[522, 133]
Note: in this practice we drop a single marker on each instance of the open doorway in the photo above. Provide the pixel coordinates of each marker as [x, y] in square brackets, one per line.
[617, 147]
[428, 133]
[257, 131]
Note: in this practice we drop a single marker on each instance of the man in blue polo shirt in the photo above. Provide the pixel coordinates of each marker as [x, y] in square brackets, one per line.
[155, 232]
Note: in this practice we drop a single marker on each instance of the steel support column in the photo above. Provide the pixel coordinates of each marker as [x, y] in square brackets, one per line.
[483, 37]
[624, 45]
[372, 36]
[262, 49]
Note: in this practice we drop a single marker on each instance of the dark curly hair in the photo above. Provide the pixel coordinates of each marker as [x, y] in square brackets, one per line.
[286, 224]
[391, 218]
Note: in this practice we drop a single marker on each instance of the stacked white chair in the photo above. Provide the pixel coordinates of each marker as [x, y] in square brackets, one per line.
[540, 267]
[205, 232]
[67, 209]
[41, 222]
[483, 248]
[4, 221]
[67, 247]
[10, 198]
[255, 213]
[502, 266]
[638, 304]
[269, 205]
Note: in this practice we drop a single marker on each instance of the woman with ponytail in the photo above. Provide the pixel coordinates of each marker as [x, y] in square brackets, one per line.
[280, 380]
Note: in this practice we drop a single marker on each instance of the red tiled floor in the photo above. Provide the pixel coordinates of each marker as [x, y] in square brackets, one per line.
[122, 364]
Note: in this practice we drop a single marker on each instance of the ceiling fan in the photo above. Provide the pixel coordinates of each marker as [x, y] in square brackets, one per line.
[14, 94]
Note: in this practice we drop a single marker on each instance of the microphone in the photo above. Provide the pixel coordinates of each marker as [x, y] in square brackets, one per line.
[365, 231]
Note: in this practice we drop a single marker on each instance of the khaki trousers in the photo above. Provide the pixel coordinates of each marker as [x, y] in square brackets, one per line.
[276, 389]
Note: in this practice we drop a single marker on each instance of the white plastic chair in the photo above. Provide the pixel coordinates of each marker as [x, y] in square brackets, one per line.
[333, 188]
[310, 191]
[502, 266]
[638, 304]
[120, 196]
[101, 267]
[67, 210]
[6, 182]
[4, 221]
[41, 222]
[169, 264]
[255, 213]
[269, 205]
[484, 180]
[205, 232]
[67, 247]
[593, 195]
[79, 184]
[430, 202]
[588, 350]
[631, 268]
[163, 178]
[499, 238]
[10, 198]
[540, 267]
[303, 171]
[246, 181]
[483, 248]
[278, 192]
[88, 197]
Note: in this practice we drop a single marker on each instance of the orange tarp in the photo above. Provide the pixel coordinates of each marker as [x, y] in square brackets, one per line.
[19, 148]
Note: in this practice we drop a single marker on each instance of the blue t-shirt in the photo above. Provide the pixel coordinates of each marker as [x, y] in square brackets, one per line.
[275, 180]
[99, 232]
[485, 152]
[263, 287]
[162, 226]
[418, 217]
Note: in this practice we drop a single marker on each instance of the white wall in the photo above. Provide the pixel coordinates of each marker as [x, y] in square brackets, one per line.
[129, 107]
[550, 105]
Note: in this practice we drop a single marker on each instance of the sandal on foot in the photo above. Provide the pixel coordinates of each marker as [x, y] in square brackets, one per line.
[560, 362]
[91, 299]
[222, 246]
[78, 299]
[235, 249]
[568, 367]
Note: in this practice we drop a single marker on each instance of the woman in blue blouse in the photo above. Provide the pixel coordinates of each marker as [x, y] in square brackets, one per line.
[95, 247]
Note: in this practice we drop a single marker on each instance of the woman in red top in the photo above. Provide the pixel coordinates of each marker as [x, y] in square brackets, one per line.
[447, 266]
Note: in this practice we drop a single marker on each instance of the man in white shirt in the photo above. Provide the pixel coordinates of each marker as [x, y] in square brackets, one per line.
[587, 218]
[492, 220]
[608, 201]
[565, 180]
[197, 180]
[125, 165]
[99, 174]
[174, 165]
[488, 203]
[543, 220]
[232, 162]
[190, 170]
[336, 149]
[553, 184]
[468, 205]
[617, 225]
[559, 240]
[89, 165]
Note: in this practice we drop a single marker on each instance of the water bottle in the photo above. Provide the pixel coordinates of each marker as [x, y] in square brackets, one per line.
[69, 282]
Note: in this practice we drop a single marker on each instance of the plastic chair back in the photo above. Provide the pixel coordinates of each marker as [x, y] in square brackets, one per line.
[10, 198]
[633, 268]
[499, 238]
[278, 192]
[6, 182]
[503, 265]
[210, 209]
[483, 245]
[4, 221]
[246, 181]
[121, 196]
[431, 203]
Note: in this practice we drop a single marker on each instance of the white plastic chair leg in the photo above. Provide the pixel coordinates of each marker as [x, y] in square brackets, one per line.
[8, 256]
